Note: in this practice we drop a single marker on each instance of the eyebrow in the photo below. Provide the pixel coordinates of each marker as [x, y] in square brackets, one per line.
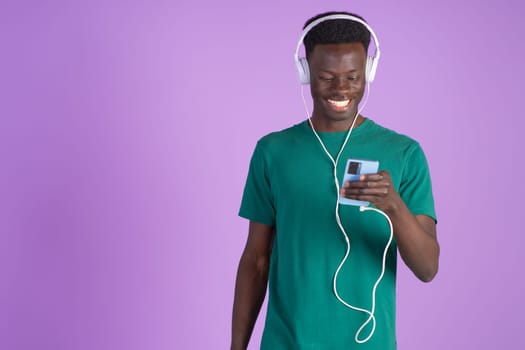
[329, 71]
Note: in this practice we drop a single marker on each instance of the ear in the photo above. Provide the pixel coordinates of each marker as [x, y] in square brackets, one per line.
[303, 70]
[371, 67]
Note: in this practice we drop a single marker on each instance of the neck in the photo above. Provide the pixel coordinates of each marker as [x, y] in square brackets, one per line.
[324, 125]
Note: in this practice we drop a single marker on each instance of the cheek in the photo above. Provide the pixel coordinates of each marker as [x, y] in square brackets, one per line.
[358, 87]
[318, 91]
[359, 84]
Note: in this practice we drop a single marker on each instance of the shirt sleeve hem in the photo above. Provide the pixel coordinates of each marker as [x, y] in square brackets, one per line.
[261, 220]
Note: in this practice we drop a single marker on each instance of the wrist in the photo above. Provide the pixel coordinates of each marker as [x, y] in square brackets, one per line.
[238, 344]
[395, 207]
[237, 347]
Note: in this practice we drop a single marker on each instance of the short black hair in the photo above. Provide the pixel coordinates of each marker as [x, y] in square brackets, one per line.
[335, 31]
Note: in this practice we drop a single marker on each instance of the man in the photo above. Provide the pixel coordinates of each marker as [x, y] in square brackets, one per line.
[294, 241]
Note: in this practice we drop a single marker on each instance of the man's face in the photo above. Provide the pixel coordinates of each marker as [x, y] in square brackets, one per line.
[337, 80]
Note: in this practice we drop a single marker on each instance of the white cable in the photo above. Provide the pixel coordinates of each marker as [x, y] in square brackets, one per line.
[370, 313]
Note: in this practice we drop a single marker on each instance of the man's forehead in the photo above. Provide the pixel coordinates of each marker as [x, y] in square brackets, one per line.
[339, 48]
[325, 53]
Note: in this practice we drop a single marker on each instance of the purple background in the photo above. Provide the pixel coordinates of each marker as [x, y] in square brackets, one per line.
[127, 128]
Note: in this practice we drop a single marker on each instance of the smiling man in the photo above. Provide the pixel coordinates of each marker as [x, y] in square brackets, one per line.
[338, 84]
[297, 238]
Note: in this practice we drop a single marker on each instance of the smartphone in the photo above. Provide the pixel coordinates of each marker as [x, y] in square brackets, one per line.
[354, 168]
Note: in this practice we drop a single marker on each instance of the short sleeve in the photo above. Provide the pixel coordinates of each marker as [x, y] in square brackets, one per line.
[257, 202]
[416, 186]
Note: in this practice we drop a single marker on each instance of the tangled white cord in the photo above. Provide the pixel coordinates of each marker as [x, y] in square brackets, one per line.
[383, 268]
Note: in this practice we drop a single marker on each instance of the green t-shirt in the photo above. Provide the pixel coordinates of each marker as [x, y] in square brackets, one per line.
[290, 186]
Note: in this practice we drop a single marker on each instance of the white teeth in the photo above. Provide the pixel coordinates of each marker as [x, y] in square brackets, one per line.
[343, 103]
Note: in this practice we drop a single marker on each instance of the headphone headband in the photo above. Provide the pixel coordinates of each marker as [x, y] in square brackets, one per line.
[302, 64]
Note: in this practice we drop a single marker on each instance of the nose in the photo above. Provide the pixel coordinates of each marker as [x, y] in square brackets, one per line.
[341, 84]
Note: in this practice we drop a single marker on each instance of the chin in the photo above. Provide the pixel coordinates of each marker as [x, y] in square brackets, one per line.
[342, 116]
[325, 112]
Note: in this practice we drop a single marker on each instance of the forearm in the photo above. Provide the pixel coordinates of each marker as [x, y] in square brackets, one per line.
[250, 289]
[417, 244]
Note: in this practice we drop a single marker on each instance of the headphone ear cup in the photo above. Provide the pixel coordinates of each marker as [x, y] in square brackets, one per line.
[371, 66]
[304, 71]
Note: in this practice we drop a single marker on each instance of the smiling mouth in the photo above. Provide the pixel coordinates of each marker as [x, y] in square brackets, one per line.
[339, 105]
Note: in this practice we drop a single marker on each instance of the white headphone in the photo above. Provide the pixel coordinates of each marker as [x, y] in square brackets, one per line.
[302, 63]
